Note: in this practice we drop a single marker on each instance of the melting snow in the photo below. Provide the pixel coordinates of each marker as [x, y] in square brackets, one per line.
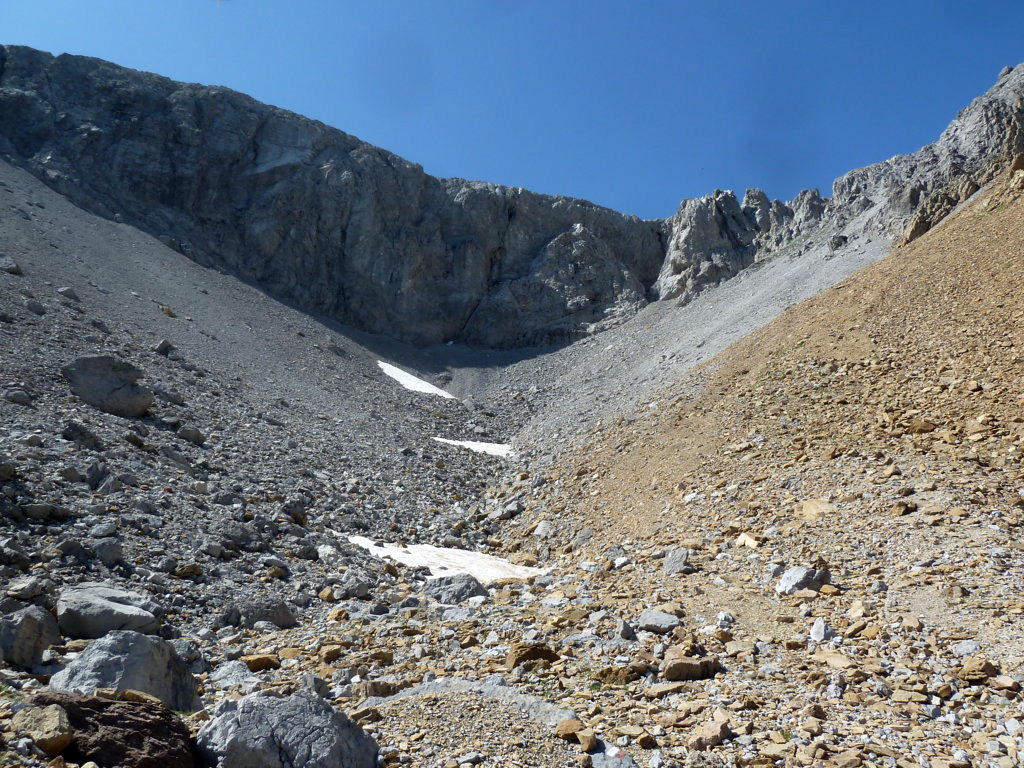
[494, 449]
[444, 562]
[410, 382]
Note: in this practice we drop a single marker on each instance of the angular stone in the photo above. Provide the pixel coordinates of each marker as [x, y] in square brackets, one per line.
[677, 560]
[800, 577]
[568, 728]
[977, 669]
[659, 622]
[454, 589]
[47, 726]
[678, 666]
[709, 734]
[25, 634]
[108, 383]
[123, 660]
[92, 609]
[270, 732]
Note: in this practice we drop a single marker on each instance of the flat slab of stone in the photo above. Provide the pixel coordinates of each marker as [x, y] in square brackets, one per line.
[93, 609]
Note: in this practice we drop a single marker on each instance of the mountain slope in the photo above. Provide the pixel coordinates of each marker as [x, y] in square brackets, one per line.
[877, 431]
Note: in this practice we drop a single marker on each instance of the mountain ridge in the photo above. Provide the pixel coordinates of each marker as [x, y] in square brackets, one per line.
[344, 229]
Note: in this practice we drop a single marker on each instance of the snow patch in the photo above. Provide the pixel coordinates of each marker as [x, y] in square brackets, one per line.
[494, 449]
[411, 382]
[443, 561]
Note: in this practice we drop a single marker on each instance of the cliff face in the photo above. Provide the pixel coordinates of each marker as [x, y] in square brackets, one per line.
[316, 216]
[339, 227]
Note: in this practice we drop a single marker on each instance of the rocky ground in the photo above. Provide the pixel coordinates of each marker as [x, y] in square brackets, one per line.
[804, 552]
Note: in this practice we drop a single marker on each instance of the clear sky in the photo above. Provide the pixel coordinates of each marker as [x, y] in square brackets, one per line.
[631, 104]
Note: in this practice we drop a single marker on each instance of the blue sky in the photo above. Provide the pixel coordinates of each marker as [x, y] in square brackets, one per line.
[634, 105]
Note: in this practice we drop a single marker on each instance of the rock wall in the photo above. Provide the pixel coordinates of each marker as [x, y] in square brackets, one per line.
[341, 228]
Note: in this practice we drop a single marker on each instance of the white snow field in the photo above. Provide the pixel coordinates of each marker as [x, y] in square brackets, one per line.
[494, 449]
[412, 383]
[444, 562]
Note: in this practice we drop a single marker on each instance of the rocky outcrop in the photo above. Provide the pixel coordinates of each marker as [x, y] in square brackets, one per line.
[128, 734]
[344, 229]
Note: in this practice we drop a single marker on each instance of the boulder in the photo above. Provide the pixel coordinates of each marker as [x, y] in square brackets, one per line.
[92, 609]
[108, 383]
[127, 734]
[125, 660]
[299, 730]
[25, 634]
[454, 589]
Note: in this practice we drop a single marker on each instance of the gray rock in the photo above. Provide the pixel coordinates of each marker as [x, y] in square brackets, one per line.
[624, 631]
[35, 307]
[299, 730]
[191, 434]
[123, 660]
[659, 622]
[9, 265]
[800, 577]
[967, 648]
[235, 674]
[17, 396]
[26, 587]
[248, 614]
[93, 609]
[677, 560]
[454, 589]
[108, 383]
[108, 551]
[68, 293]
[25, 634]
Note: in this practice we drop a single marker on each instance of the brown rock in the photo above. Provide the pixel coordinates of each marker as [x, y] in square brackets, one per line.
[678, 666]
[587, 739]
[330, 653]
[520, 653]
[326, 594]
[615, 675]
[568, 728]
[47, 726]
[122, 733]
[258, 662]
[374, 688]
[977, 669]
[188, 571]
[709, 734]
